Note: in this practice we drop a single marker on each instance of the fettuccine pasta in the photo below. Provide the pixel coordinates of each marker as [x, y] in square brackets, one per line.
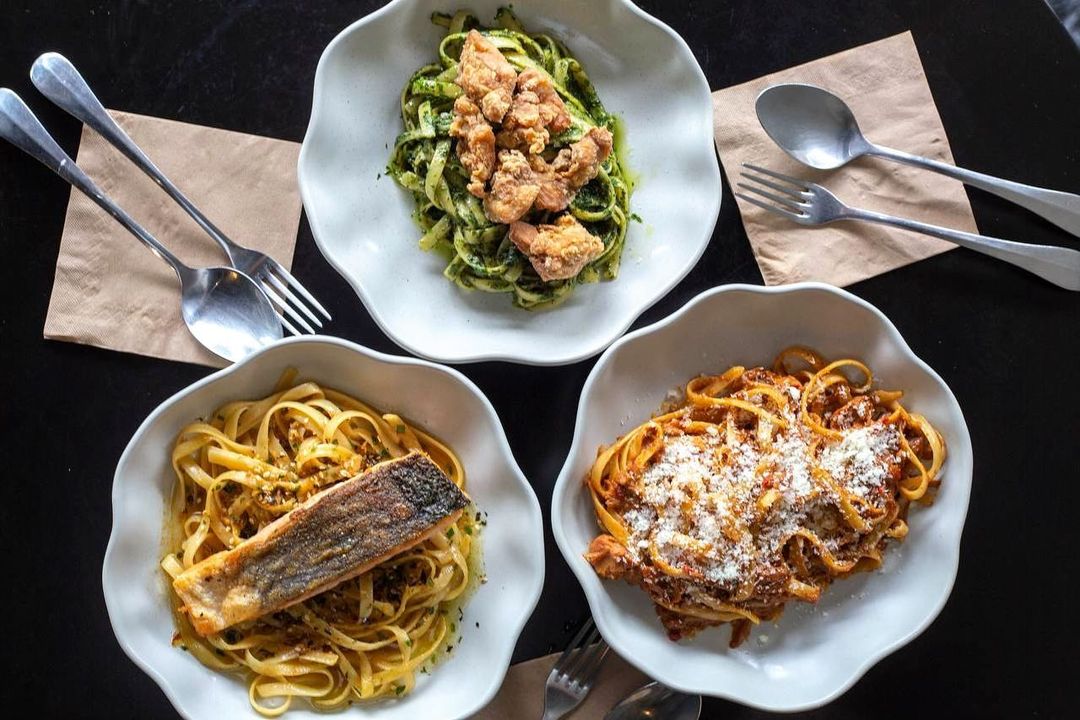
[252, 462]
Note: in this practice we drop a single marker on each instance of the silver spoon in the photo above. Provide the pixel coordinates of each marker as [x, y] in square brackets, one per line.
[818, 129]
[656, 702]
[224, 309]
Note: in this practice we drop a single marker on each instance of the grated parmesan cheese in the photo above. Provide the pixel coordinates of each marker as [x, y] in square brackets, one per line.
[692, 496]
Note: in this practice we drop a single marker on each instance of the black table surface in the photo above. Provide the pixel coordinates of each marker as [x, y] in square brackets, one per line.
[1006, 79]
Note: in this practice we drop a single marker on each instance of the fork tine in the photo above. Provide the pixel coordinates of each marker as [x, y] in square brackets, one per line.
[298, 287]
[588, 673]
[581, 658]
[284, 307]
[785, 201]
[288, 325]
[561, 662]
[767, 206]
[802, 185]
[794, 194]
[270, 277]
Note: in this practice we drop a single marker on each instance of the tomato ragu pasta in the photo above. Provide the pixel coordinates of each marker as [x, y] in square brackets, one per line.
[758, 487]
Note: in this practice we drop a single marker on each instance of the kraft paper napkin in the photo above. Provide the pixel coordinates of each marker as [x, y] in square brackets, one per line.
[110, 291]
[522, 693]
[885, 86]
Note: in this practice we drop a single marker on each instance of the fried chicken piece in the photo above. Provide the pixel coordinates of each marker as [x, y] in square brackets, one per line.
[553, 195]
[523, 128]
[552, 110]
[571, 169]
[559, 251]
[486, 76]
[580, 163]
[475, 145]
[513, 189]
[536, 112]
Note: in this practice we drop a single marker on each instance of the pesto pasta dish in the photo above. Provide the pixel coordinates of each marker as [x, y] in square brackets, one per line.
[513, 161]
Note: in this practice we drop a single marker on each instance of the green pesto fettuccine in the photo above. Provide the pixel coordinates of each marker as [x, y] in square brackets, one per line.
[480, 254]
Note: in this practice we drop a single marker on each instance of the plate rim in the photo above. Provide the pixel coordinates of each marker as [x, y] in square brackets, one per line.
[120, 631]
[565, 484]
[520, 357]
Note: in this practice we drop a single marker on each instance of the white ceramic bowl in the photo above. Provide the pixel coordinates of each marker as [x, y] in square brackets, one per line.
[362, 220]
[815, 653]
[437, 398]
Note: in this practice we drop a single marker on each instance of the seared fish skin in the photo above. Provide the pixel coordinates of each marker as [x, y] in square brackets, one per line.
[335, 535]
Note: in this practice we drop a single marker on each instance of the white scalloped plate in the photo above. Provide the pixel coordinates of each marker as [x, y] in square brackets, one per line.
[814, 653]
[437, 398]
[362, 221]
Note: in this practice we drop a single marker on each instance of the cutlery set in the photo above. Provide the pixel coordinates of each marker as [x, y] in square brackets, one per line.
[237, 308]
[819, 130]
[572, 677]
[232, 310]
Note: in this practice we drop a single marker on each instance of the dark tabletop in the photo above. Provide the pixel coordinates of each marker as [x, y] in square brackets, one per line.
[1006, 79]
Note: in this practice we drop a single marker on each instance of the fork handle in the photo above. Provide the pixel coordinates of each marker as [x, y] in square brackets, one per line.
[1060, 208]
[20, 127]
[58, 80]
[1059, 265]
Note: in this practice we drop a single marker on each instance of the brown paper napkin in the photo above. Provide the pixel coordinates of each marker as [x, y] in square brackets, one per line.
[885, 86]
[522, 693]
[112, 292]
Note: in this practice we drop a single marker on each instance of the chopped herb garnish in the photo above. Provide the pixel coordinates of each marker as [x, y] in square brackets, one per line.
[468, 529]
[450, 533]
[453, 628]
[401, 428]
[399, 689]
[408, 643]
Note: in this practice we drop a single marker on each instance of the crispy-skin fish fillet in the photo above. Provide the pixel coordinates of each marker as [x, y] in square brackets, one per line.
[335, 535]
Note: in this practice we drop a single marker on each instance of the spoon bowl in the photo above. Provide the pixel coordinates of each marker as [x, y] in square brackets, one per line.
[656, 701]
[227, 312]
[811, 125]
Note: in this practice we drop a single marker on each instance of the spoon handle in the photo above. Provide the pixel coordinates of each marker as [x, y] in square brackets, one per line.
[1059, 265]
[21, 128]
[58, 80]
[1060, 208]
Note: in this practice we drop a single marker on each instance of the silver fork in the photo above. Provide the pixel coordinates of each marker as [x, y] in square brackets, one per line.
[810, 204]
[572, 677]
[58, 80]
